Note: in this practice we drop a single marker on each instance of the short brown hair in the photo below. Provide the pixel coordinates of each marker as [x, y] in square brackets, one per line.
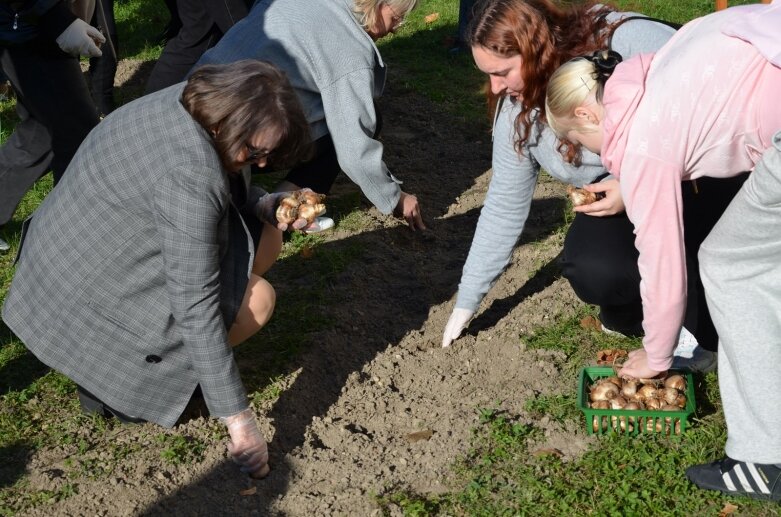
[235, 101]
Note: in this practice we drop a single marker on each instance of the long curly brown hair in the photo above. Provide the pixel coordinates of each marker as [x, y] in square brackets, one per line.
[545, 34]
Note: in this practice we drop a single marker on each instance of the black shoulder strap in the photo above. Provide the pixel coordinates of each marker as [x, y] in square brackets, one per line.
[673, 25]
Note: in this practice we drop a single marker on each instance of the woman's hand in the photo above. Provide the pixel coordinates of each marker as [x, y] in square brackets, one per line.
[266, 211]
[636, 366]
[611, 204]
[409, 209]
[247, 447]
[456, 325]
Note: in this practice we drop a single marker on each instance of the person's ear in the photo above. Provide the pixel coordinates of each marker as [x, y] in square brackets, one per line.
[586, 115]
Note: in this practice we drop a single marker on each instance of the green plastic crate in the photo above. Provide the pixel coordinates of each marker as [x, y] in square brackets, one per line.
[601, 421]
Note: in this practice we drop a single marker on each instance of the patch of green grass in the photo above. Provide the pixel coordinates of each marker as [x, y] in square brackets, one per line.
[30, 415]
[139, 22]
[558, 407]
[579, 344]
[270, 392]
[180, 449]
[33, 499]
[8, 118]
[679, 12]
[419, 60]
[619, 476]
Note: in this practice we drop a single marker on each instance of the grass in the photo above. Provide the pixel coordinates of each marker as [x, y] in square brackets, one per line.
[505, 472]
[499, 475]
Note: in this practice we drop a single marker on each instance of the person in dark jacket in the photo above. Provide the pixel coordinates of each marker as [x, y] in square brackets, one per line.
[52, 99]
[203, 22]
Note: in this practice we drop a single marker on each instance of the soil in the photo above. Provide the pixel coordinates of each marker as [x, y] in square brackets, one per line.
[374, 403]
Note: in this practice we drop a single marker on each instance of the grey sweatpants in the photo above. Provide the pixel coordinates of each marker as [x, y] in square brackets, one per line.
[740, 266]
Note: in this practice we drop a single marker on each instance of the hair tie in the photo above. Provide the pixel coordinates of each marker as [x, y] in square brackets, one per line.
[605, 62]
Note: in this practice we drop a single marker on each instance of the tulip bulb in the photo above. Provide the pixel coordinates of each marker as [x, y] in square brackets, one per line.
[603, 391]
[580, 196]
[675, 381]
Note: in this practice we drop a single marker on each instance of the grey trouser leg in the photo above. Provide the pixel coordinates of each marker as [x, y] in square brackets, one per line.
[24, 158]
[740, 265]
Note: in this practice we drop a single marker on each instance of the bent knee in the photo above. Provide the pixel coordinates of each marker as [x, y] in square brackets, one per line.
[263, 298]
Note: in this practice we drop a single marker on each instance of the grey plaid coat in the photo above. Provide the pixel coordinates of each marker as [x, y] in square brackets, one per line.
[135, 264]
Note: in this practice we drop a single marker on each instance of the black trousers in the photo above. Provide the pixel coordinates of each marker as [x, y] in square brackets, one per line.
[203, 24]
[600, 260]
[103, 69]
[319, 172]
[56, 114]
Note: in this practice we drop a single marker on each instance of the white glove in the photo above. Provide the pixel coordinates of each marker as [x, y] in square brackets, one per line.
[456, 324]
[81, 39]
[247, 446]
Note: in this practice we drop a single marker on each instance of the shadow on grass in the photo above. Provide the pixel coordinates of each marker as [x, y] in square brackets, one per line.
[13, 460]
[19, 373]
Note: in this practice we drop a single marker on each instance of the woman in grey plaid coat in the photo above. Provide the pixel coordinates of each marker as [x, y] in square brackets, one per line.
[137, 274]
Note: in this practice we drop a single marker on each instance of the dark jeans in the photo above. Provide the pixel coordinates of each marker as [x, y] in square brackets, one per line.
[203, 24]
[600, 260]
[103, 69]
[465, 8]
[56, 112]
[320, 171]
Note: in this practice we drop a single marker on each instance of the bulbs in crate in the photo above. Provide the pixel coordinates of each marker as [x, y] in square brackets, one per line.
[668, 394]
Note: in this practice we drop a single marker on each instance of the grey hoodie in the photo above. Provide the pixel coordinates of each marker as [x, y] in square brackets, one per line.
[336, 71]
[514, 179]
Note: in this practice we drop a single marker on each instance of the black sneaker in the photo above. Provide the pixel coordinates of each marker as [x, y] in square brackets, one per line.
[738, 478]
[90, 404]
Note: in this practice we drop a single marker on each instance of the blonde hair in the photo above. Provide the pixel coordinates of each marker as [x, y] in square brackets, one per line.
[571, 86]
[366, 10]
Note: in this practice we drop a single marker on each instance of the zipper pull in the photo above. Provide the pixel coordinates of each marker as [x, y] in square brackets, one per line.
[16, 21]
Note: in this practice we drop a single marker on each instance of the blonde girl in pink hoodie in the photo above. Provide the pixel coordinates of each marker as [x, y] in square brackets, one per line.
[706, 104]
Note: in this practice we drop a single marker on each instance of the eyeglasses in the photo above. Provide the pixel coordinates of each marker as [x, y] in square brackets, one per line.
[396, 20]
[254, 154]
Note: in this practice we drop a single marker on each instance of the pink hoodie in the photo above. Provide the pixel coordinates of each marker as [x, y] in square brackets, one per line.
[706, 104]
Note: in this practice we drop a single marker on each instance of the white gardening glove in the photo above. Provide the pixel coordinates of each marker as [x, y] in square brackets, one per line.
[456, 324]
[247, 447]
[81, 39]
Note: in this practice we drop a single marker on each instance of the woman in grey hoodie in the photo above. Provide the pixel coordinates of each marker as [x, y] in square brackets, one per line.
[327, 50]
[519, 43]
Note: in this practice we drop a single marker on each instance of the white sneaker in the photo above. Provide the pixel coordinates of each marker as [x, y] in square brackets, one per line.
[320, 224]
[610, 332]
[4, 245]
[687, 343]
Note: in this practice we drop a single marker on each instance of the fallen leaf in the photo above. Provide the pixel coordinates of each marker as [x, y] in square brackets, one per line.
[307, 252]
[248, 491]
[419, 435]
[591, 323]
[548, 452]
[431, 18]
[728, 509]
